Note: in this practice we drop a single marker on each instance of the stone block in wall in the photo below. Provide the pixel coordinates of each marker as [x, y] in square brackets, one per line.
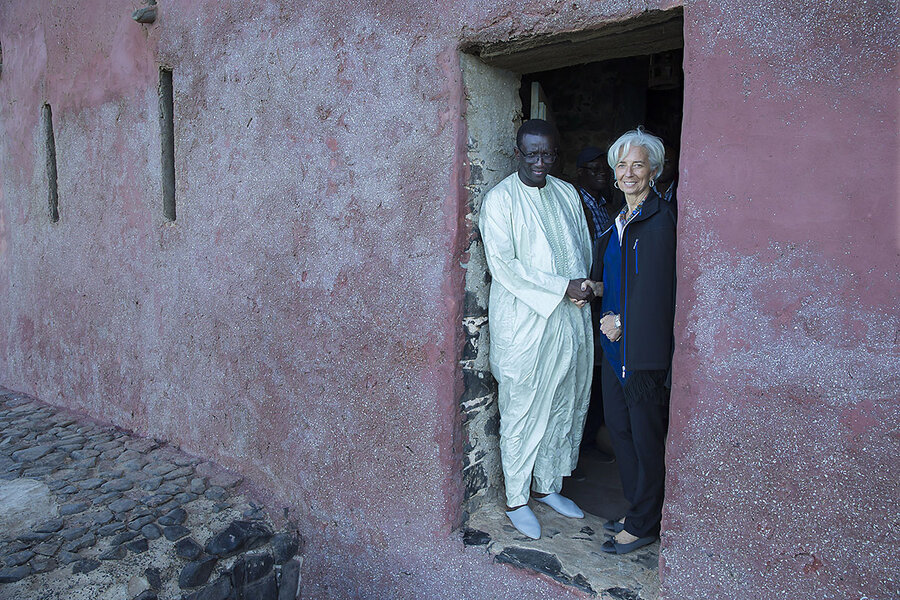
[482, 475]
[478, 385]
[475, 480]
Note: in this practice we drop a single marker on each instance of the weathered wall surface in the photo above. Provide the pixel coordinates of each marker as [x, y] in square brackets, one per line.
[493, 114]
[783, 471]
[300, 321]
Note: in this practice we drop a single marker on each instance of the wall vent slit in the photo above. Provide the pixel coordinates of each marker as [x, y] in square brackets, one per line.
[50, 154]
[167, 135]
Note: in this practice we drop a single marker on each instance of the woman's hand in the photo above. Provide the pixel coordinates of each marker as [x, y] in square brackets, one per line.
[609, 328]
[593, 287]
[596, 287]
[579, 293]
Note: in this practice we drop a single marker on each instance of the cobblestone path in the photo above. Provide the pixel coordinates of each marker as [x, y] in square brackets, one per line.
[92, 513]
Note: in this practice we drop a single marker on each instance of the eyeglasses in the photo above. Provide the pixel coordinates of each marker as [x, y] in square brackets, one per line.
[547, 157]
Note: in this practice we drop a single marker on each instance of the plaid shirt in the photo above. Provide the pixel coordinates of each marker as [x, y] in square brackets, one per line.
[598, 210]
[670, 193]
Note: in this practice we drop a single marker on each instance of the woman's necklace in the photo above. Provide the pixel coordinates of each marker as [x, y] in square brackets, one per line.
[626, 216]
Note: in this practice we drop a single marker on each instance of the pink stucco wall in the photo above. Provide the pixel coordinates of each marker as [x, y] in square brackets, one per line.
[783, 465]
[299, 321]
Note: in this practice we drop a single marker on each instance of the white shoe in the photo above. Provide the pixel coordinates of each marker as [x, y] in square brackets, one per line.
[562, 505]
[525, 521]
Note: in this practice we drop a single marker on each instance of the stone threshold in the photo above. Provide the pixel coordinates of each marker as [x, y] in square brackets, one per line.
[568, 551]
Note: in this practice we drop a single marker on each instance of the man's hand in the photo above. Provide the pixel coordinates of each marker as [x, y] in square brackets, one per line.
[609, 329]
[577, 293]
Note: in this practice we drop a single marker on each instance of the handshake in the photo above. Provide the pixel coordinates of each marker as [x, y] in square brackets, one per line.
[582, 291]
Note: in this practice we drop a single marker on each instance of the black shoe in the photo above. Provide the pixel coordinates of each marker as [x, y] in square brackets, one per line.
[614, 547]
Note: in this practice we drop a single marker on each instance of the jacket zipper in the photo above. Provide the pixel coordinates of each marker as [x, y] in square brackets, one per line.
[636, 256]
[624, 292]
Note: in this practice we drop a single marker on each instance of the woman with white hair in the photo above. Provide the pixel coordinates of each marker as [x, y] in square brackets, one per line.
[635, 260]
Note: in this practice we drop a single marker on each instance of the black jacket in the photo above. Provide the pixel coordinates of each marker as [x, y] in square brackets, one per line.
[648, 285]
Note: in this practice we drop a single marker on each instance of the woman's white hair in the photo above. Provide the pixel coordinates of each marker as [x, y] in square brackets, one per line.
[656, 150]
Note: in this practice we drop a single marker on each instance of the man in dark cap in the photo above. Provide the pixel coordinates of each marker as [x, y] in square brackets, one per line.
[593, 187]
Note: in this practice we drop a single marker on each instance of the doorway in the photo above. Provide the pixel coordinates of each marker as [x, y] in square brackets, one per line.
[591, 105]
[594, 85]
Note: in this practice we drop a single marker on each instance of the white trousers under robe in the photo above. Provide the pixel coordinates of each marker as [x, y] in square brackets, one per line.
[541, 344]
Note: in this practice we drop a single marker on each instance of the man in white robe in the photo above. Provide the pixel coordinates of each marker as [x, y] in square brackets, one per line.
[538, 251]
